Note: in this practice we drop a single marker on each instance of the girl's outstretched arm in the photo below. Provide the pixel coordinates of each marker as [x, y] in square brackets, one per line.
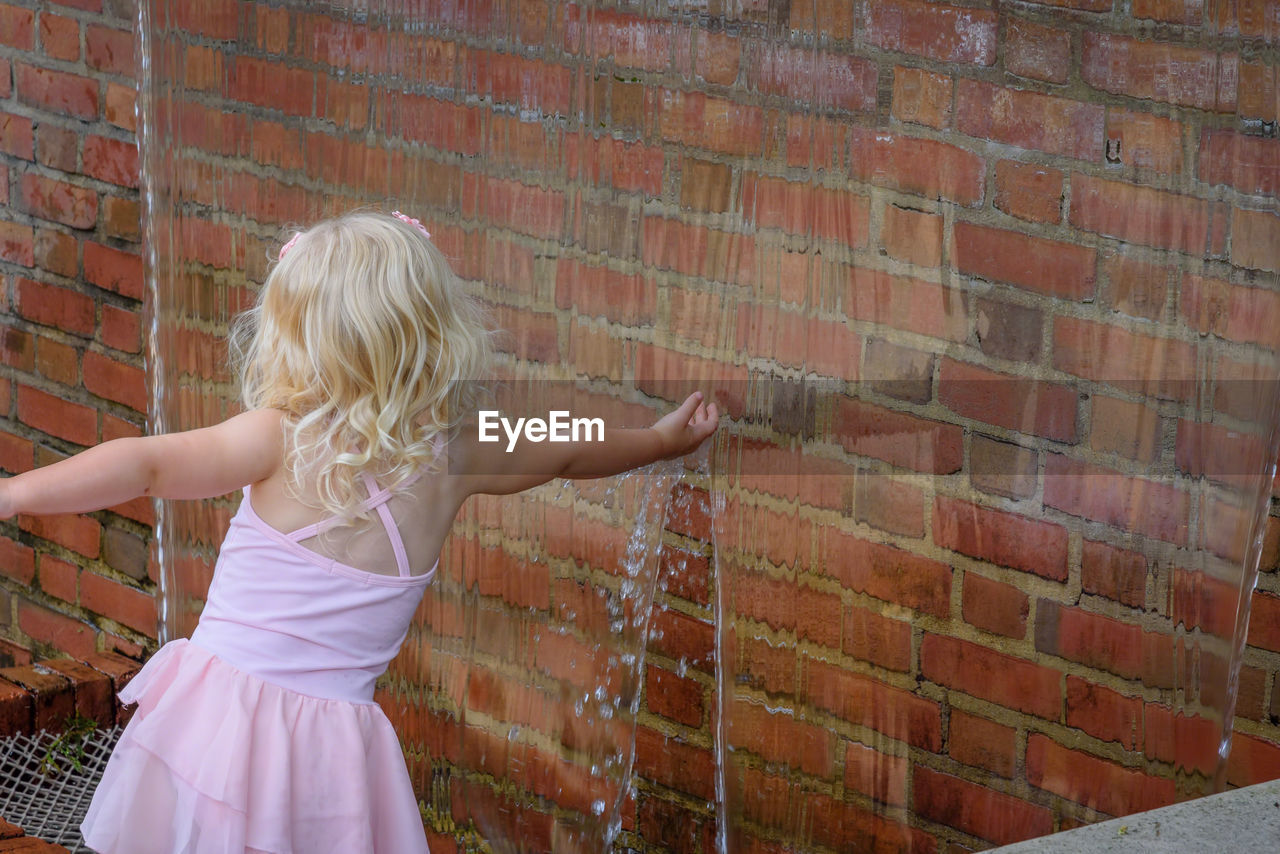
[193, 464]
[490, 468]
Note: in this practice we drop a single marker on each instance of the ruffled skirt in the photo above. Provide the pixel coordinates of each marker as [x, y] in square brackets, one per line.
[218, 761]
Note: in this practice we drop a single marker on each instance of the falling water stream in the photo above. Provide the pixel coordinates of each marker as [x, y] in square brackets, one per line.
[796, 639]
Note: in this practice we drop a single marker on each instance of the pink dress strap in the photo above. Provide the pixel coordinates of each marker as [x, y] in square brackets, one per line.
[378, 497]
[379, 500]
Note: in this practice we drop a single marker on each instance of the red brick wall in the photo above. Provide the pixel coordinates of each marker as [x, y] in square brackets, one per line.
[71, 289]
[972, 633]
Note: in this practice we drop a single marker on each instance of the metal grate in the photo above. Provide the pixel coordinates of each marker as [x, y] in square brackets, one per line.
[50, 806]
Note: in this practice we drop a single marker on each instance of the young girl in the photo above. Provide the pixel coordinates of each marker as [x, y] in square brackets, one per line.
[260, 734]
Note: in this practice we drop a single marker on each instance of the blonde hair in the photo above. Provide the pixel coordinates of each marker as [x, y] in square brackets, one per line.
[365, 338]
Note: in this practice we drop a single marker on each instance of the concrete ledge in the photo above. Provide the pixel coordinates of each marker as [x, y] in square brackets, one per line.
[1245, 819]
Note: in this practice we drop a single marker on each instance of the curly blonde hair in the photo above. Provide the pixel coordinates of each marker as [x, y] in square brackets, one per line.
[364, 337]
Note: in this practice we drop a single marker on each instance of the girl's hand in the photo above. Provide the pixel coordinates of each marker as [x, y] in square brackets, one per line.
[683, 430]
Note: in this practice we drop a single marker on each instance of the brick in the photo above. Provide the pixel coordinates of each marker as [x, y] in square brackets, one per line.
[58, 578]
[81, 534]
[6, 83]
[18, 348]
[779, 736]
[1264, 621]
[16, 244]
[113, 269]
[271, 84]
[57, 417]
[1002, 538]
[1160, 71]
[16, 453]
[1255, 240]
[675, 764]
[673, 696]
[1248, 163]
[1140, 364]
[1029, 191]
[899, 438]
[60, 37]
[17, 137]
[1187, 741]
[16, 710]
[879, 640]
[115, 380]
[1124, 427]
[57, 630]
[977, 741]
[1049, 267]
[990, 675]
[905, 303]
[57, 252]
[120, 106]
[1173, 11]
[133, 608]
[708, 122]
[697, 251]
[1144, 140]
[877, 775]
[121, 330]
[50, 305]
[717, 57]
[889, 505]
[112, 160]
[1109, 788]
[1105, 714]
[865, 701]
[825, 17]
[1128, 503]
[1030, 120]
[933, 30]
[705, 185]
[1009, 331]
[109, 50]
[1252, 760]
[17, 561]
[1037, 51]
[57, 91]
[1028, 406]
[57, 361]
[804, 75]
[829, 347]
[887, 573]
[58, 148]
[926, 167]
[52, 698]
[58, 201]
[977, 810]
[1258, 91]
[1002, 468]
[912, 236]
[898, 371]
[1104, 643]
[995, 607]
[91, 689]
[922, 97]
[1135, 287]
[17, 27]
[807, 210]
[1141, 214]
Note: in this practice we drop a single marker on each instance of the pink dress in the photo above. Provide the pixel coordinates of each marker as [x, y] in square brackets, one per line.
[260, 733]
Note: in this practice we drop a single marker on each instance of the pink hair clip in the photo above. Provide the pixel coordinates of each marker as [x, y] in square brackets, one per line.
[413, 222]
[289, 245]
